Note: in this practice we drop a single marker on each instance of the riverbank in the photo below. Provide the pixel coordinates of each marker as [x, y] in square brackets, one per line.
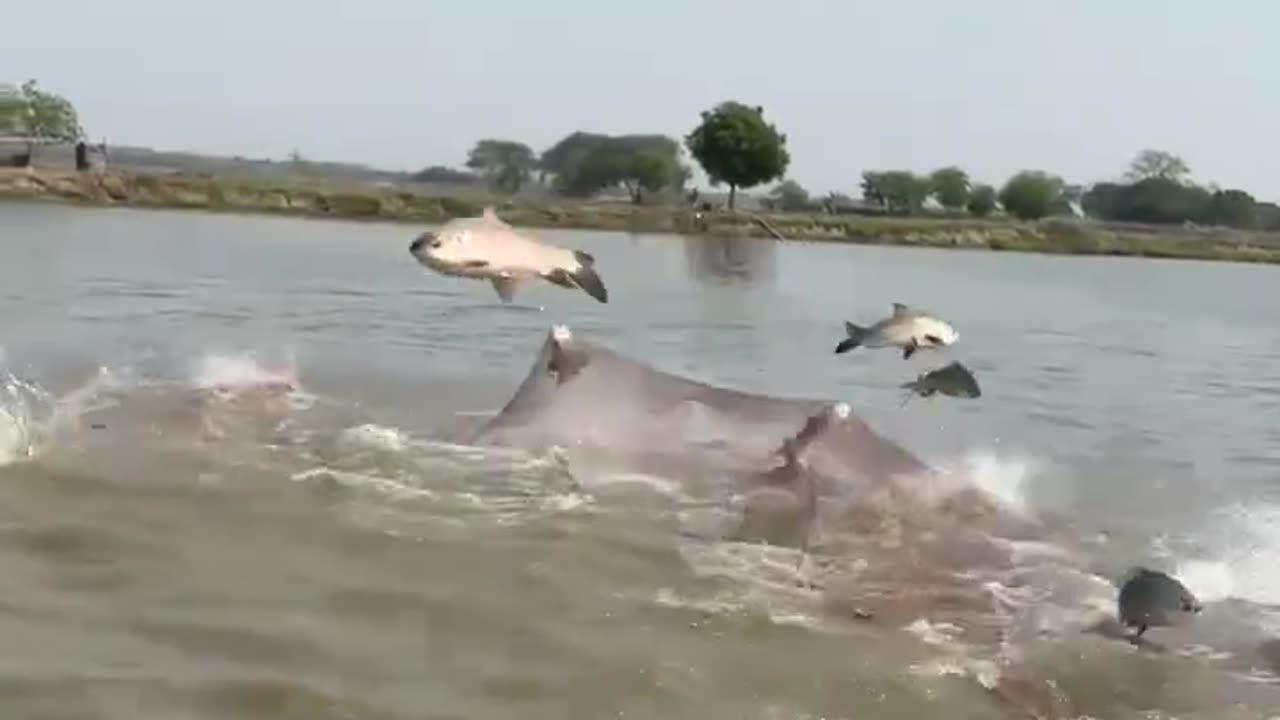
[318, 199]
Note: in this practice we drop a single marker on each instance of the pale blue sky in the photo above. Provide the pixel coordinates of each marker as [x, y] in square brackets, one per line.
[992, 85]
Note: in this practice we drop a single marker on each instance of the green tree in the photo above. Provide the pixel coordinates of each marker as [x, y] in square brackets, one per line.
[950, 187]
[645, 163]
[444, 176]
[1153, 200]
[790, 196]
[898, 191]
[51, 117]
[13, 110]
[1233, 208]
[1032, 194]
[560, 159]
[38, 115]
[734, 145]
[586, 163]
[982, 200]
[506, 164]
[1159, 164]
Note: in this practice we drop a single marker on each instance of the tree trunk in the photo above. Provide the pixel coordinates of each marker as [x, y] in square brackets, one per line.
[733, 192]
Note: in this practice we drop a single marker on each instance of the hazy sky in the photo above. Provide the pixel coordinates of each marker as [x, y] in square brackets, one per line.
[992, 85]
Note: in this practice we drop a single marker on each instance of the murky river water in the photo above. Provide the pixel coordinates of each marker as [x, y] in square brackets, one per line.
[171, 555]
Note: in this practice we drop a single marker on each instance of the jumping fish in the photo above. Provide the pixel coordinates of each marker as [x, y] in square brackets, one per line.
[486, 248]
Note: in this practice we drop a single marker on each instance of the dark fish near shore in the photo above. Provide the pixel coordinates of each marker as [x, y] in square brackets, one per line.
[486, 248]
[1150, 598]
[954, 380]
[906, 328]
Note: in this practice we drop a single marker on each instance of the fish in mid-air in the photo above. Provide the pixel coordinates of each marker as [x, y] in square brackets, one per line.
[906, 328]
[486, 248]
[1150, 598]
[954, 380]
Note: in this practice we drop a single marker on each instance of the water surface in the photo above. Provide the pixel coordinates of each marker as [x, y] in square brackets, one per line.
[325, 559]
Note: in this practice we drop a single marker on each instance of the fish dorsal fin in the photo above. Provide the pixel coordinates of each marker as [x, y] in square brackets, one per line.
[899, 310]
[489, 216]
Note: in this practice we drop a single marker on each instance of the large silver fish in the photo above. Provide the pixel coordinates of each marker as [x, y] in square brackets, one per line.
[486, 248]
[906, 328]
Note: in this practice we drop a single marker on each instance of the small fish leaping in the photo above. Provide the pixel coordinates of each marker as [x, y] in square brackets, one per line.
[1150, 598]
[906, 328]
[486, 248]
[953, 380]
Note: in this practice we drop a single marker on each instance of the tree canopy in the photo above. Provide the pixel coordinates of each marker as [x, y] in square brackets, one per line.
[735, 145]
[950, 187]
[50, 117]
[790, 196]
[38, 116]
[585, 163]
[1033, 194]
[1157, 164]
[560, 159]
[897, 191]
[505, 164]
[982, 201]
[13, 110]
[444, 175]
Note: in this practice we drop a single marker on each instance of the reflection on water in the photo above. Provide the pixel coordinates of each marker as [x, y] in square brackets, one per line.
[721, 259]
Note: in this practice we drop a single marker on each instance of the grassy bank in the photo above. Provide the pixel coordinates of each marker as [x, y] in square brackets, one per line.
[318, 199]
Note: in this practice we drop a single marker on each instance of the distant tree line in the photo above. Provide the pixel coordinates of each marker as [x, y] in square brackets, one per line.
[735, 146]
[1155, 190]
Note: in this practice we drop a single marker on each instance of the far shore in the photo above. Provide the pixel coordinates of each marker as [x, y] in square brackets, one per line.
[300, 197]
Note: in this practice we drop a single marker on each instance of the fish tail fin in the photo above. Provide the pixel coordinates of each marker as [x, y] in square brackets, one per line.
[586, 277]
[856, 334]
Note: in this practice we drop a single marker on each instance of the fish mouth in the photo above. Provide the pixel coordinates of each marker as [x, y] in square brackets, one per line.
[423, 244]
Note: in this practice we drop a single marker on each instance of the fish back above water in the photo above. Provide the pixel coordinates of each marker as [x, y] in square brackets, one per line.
[1149, 598]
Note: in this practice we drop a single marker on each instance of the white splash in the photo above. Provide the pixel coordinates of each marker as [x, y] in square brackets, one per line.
[1005, 479]
[374, 437]
[1247, 541]
[218, 370]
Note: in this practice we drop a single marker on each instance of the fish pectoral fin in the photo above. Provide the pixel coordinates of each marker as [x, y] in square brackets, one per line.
[505, 286]
[476, 264]
[560, 277]
[584, 277]
[933, 339]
